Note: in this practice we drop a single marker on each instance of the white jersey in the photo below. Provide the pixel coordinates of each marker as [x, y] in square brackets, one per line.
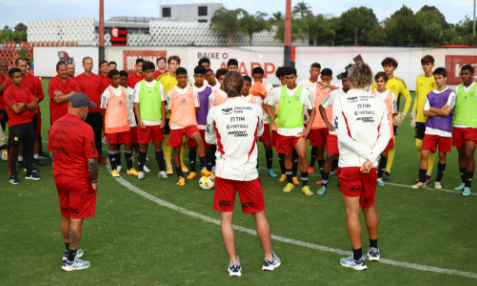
[363, 128]
[192, 80]
[234, 127]
[268, 89]
[129, 101]
[328, 101]
[311, 86]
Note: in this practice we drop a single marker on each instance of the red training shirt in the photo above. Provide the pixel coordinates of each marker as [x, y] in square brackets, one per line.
[27, 82]
[60, 110]
[72, 142]
[13, 96]
[133, 79]
[2, 102]
[158, 74]
[93, 87]
[105, 79]
[38, 90]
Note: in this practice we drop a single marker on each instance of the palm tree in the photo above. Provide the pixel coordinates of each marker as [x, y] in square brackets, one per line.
[276, 17]
[301, 8]
[254, 23]
[225, 20]
[317, 27]
[298, 26]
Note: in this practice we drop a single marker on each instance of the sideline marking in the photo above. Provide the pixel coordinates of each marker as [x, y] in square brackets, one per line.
[150, 197]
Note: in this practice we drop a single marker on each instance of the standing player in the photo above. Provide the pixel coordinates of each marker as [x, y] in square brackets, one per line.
[183, 104]
[292, 100]
[21, 106]
[219, 96]
[113, 65]
[391, 106]
[398, 87]
[236, 161]
[465, 126]
[104, 68]
[439, 109]
[362, 137]
[150, 107]
[161, 65]
[138, 76]
[75, 170]
[211, 80]
[93, 86]
[424, 84]
[232, 65]
[71, 70]
[281, 157]
[204, 62]
[3, 111]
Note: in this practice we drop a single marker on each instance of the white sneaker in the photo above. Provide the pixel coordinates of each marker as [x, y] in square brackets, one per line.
[146, 169]
[163, 175]
[147, 158]
[141, 176]
[437, 186]
[119, 168]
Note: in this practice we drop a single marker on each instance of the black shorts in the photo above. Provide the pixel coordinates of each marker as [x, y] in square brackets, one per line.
[396, 130]
[167, 129]
[420, 130]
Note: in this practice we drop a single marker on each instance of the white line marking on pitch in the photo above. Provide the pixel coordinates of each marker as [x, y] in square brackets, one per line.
[150, 197]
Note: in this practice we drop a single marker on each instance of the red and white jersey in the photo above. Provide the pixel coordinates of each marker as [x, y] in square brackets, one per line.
[361, 122]
[329, 100]
[234, 126]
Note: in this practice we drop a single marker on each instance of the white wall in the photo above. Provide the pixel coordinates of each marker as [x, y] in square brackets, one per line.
[46, 58]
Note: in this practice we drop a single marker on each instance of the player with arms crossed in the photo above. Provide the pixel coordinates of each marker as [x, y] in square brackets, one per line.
[236, 160]
[361, 139]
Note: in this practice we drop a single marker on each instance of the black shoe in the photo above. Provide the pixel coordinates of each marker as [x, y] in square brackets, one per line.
[20, 164]
[33, 176]
[38, 162]
[33, 169]
[42, 155]
[387, 176]
[14, 180]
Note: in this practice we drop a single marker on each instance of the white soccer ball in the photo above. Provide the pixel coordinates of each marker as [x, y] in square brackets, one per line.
[206, 183]
[4, 155]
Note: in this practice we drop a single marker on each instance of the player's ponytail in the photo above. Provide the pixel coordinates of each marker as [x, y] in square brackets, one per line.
[233, 83]
[360, 75]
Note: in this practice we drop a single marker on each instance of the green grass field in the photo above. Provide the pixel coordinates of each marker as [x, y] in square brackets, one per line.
[136, 241]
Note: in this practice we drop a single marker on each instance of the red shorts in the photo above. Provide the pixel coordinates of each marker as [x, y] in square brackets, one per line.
[154, 133]
[250, 192]
[175, 135]
[390, 145]
[460, 135]
[266, 133]
[119, 138]
[274, 138]
[355, 184]
[38, 126]
[192, 144]
[285, 144]
[309, 134]
[318, 137]
[332, 144]
[134, 135]
[430, 143]
[77, 197]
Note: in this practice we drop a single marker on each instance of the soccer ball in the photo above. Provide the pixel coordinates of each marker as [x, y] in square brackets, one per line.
[206, 183]
[4, 155]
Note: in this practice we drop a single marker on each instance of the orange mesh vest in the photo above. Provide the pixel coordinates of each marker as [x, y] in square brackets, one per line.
[389, 107]
[116, 117]
[183, 108]
[218, 98]
[318, 122]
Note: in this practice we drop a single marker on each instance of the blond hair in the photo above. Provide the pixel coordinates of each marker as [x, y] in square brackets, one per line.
[233, 83]
[360, 75]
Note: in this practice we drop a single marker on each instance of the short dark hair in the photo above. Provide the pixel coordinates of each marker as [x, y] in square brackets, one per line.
[60, 63]
[316, 65]
[204, 60]
[18, 60]
[344, 75]
[381, 74]
[199, 70]
[221, 72]
[148, 66]
[123, 73]
[209, 70]
[140, 61]
[175, 58]
[87, 58]
[160, 58]
[112, 63]
[327, 72]
[112, 73]
[103, 62]
[280, 72]
[289, 71]
[12, 71]
[232, 62]
[258, 70]
[247, 78]
[181, 70]
[441, 71]
[427, 59]
[467, 68]
[389, 61]
[28, 60]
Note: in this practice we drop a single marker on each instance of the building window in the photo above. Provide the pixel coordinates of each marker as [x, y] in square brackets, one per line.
[203, 21]
[166, 12]
[202, 10]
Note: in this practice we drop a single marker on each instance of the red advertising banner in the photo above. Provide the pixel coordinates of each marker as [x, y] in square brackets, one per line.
[130, 57]
[453, 65]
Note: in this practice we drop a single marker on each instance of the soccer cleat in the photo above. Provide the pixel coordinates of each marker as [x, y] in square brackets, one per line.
[181, 182]
[32, 176]
[437, 186]
[76, 264]
[311, 170]
[288, 188]
[355, 264]
[192, 175]
[79, 253]
[42, 155]
[306, 190]
[236, 269]
[419, 186]
[140, 175]
[132, 171]
[163, 175]
[115, 174]
[373, 254]
[387, 176]
[466, 192]
[460, 188]
[184, 168]
[283, 178]
[205, 172]
[380, 183]
[319, 183]
[119, 168]
[5, 155]
[38, 162]
[14, 180]
[428, 180]
[169, 170]
[33, 169]
[146, 169]
[271, 265]
[271, 173]
[20, 164]
[295, 181]
[321, 191]
[101, 160]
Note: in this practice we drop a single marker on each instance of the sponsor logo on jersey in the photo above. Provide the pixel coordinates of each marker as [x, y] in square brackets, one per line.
[183, 102]
[365, 119]
[352, 99]
[227, 111]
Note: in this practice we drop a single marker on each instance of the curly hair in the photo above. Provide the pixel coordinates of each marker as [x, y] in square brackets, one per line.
[361, 75]
[233, 83]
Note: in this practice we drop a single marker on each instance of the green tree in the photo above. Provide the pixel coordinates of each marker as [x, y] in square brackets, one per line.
[225, 20]
[301, 8]
[8, 35]
[20, 27]
[432, 23]
[254, 23]
[318, 27]
[298, 26]
[402, 28]
[276, 17]
[355, 24]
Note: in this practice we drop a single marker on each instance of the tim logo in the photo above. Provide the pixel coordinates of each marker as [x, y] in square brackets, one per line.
[227, 111]
[65, 57]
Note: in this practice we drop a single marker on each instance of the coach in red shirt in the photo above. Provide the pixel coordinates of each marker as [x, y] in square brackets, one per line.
[3, 111]
[75, 170]
[138, 76]
[21, 106]
[92, 85]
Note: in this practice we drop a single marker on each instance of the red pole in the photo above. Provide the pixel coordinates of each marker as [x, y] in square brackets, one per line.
[101, 23]
[288, 25]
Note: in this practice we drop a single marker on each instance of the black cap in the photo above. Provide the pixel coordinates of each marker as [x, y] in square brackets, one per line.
[80, 99]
